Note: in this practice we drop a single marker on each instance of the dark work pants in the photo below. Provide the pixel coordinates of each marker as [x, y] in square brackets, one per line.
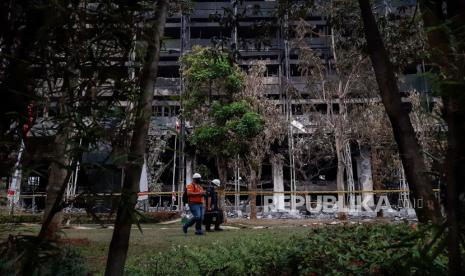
[213, 217]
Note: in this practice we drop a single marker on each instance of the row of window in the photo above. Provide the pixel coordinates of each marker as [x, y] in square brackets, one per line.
[166, 111]
[173, 111]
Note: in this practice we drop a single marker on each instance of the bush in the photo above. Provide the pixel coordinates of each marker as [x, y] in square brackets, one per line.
[338, 250]
[21, 218]
[156, 217]
[83, 218]
[40, 257]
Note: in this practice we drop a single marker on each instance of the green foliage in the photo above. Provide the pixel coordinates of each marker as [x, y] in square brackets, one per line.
[339, 250]
[208, 135]
[232, 123]
[208, 70]
[223, 113]
[23, 218]
[83, 218]
[234, 82]
[248, 126]
[48, 258]
[204, 65]
[204, 171]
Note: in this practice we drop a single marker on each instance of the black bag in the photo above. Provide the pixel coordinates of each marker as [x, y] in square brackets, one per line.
[213, 216]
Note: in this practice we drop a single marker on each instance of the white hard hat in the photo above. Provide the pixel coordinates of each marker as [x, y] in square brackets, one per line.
[216, 182]
[196, 176]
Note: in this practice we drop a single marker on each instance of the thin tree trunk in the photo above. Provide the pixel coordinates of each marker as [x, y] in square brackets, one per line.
[60, 169]
[56, 180]
[377, 182]
[253, 184]
[339, 142]
[120, 240]
[222, 174]
[28, 266]
[452, 86]
[455, 175]
[404, 134]
[339, 124]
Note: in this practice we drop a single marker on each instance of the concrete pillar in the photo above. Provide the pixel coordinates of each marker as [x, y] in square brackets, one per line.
[278, 183]
[189, 172]
[143, 181]
[365, 175]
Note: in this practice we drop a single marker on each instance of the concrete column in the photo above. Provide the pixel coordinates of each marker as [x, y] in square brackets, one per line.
[189, 172]
[143, 181]
[365, 174]
[278, 183]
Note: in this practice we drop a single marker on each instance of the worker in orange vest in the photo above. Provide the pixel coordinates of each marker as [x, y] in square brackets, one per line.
[195, 195]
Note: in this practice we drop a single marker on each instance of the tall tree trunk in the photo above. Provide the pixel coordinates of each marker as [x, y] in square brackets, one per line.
[50, 223]
[455, 175]
[339, 142]
[377, 180]
[58, 172]
[440, 33]
[222, 174]
[253, 184]
[120, 241]
[404, 134]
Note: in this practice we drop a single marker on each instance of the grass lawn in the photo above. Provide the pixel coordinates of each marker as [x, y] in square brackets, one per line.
[93, 242]
[306, 245]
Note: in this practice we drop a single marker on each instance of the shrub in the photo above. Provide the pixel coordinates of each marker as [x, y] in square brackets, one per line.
[40, 257]
[21, 218]
[338, 250]
[83, 218]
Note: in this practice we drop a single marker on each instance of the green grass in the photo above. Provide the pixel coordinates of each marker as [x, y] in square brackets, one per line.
[93, 243]
[321, 249]
[155, 238]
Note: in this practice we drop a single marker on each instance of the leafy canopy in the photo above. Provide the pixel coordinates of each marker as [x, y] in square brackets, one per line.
[231, 125]
[222, 123]
[209, 74]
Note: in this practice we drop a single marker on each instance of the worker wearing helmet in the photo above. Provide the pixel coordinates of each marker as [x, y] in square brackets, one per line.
[195, 195]
[213, 214]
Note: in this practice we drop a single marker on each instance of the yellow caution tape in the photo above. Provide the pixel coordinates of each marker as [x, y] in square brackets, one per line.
[239, 193]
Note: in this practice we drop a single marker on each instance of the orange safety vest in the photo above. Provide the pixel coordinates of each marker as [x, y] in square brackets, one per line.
[195, 188]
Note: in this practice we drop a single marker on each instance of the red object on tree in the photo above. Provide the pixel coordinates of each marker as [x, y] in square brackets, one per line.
[178, 126]
[30, 119]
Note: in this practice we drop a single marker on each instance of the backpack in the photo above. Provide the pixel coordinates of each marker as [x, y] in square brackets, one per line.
[185, 198]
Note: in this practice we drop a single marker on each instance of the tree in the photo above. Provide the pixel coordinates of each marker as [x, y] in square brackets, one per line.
[240, 122]
[446, 40]
[20, 32]
[125, 215]
[83, 116]
[272, 131]
[61, 65]
[341, 84]
[212, 80]
[409, 148]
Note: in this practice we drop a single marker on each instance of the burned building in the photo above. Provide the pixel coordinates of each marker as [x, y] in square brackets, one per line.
[253, 31]
[259, 35]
